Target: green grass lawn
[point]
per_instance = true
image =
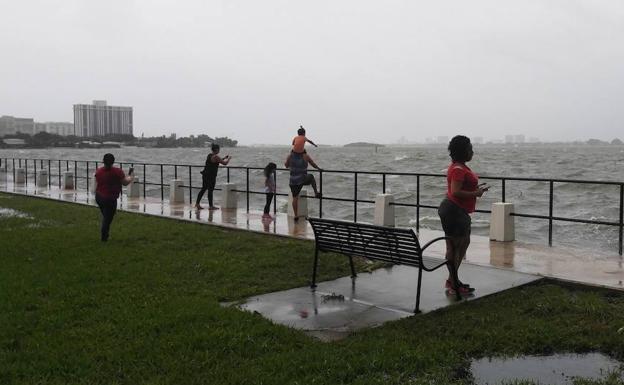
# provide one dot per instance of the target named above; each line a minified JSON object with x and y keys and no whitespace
{"x":144,"y":309}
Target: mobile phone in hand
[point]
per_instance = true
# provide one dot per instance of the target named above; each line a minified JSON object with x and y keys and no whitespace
{"x":484,"y":186}
{"x":131,"y":171}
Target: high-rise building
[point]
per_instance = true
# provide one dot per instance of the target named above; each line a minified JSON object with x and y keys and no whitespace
{"x":509,"y":139}
{"x":519,"y":139}
{"x":11,"y":125}
{"x":99,"y":119}
{"x":60,"y":128}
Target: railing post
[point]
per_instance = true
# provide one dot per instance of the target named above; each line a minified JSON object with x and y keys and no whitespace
{"x":621,"y":217}
{"x":59,"y":173}
{"x":162,"y":186}
{"x":175,"y":171}
{"x":503,"y":190}
{"x":35,"y":168}
{"x":417,"y":203}
{"x":383,"y":183}
{"x":228,"y":174}
{"x":190,"y":186}
{"x":355,"y":196}
{"x":49,"y":174}
{"x":275,"y":196}
{"x":14,"y":171}
{"x":550,"y":214}
{"x":144,"y":182}
{"x":26,"y":173}
{"x":247,"y":183}
{"x":321,"y":191}
{"x":76,"y":175}
{"x":87,"y":177}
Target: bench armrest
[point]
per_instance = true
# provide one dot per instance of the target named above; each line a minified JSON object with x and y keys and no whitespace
{"x":432,"y":241}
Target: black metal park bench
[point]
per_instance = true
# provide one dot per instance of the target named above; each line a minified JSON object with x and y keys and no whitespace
{"x":387,"y":244}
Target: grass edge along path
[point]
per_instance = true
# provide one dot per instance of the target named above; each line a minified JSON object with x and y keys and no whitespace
{"x":144,"y":309}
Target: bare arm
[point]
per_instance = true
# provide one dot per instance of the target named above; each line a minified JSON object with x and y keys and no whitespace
{"x":457,"y":192}
{"x":311,"y":142}
{"x":224,"y":161}
{"x":309,"y":160}
{"x":127,"y":179}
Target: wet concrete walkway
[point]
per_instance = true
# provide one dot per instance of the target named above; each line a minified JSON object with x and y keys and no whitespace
{"x":385,"y":294}
{"x":571,"y":264}
{"x":339,"y":307}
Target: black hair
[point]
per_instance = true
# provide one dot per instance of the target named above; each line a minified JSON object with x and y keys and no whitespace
{"x":459,"y":148}
{"x":109,"y":160}
{"x":301,"y":131}
{"x":271,"y":167}
{"x":214,"y":147}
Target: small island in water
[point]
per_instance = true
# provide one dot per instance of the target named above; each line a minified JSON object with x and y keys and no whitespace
{"x":363,"y":144}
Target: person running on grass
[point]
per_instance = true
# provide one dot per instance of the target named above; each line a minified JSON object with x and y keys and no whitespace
{"x":108,"y":181}
{"x":269,"y":187}
{"x":209,"y":176}
{"x":463,"y":189}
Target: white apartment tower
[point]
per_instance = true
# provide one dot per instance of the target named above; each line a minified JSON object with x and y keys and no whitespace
{"x":99,"y":119}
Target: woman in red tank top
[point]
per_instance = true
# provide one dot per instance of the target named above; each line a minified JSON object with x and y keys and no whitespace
{"x":463,"y":189}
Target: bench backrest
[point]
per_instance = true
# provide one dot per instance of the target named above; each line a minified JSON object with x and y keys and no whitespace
{"x":388,"y":244}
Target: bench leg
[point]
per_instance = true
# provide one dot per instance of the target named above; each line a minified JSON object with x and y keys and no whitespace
{"x":353,"y":275}
{"x":314,"y":269}
{"x":417,"y":308}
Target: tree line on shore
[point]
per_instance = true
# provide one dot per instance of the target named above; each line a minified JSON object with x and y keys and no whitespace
{"x":46,"y":139}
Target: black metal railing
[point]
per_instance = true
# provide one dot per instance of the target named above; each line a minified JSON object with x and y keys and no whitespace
{"x":67,"y":165}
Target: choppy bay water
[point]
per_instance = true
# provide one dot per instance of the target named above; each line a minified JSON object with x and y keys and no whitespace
{"x":598,"y":202}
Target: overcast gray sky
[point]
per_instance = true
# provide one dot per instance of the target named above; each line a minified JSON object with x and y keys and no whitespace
{"x":355,"y":70}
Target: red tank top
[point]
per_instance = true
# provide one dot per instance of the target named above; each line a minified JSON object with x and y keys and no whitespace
{"x":109,"y":182}
{"x":462,"y":173}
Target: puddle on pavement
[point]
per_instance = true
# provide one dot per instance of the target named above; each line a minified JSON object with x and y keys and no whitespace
{"x":560,"y":369}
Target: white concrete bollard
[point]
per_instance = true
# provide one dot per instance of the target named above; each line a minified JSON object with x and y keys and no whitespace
{"x":176,"y":193}
{"x":502,"y":227}
{"x":134,"y":188}
{"x":384,"y":211}
{"x":68,"y":180}
{"x":303,"y":204}
{"x":20,"y":176}
{"x":42,"y":178}
{"x":229,"y":198}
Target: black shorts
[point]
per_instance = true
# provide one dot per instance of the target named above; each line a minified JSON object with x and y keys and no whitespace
{"x":295,"y":189}
{"x":455,"y":220}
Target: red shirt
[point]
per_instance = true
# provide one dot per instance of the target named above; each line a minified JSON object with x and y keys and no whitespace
{"x":462,"y":173}
{"x":109,"y":182}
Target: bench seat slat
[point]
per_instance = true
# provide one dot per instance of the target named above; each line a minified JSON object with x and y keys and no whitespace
{"x":408,"y":251}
